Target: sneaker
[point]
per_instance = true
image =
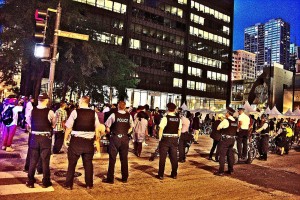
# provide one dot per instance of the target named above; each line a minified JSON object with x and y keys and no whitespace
{"x":3,"y":147}
{"x":9,"y":149}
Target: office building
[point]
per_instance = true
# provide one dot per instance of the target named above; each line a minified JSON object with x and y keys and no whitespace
{"x":182,"y":48}
{"x":243,"y":65}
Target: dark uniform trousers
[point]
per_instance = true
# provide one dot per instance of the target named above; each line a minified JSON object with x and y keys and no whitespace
{"x":40,"y":148}
{"x":58,"y":141}
{"x":168,"y":145}
{"x":263,"y":146}
{"x":27,"y":163}
{"x":213,"y":148}
{"x":242,"y":140}
{"x":118,"y":145}
{"x":226,"y":149}
{"x":183,"y":140}
{"x":85,"y":148}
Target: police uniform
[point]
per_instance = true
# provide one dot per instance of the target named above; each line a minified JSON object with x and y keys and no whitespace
{"x":119,"y":123}
{"x":42,"y":119}
{"x":170,"y":124}
{"x":263,"y":143}
{"x":83,"y":123}
{"x":243,"y":132}
{"x":228,"y":129}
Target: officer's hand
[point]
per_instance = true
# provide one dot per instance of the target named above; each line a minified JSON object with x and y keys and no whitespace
{"x":66,"y":143}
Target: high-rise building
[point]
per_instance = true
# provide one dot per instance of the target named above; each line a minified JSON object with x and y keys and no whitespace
{"x":254,"y":42}
{"x":243,"y":65}
{"x":270,"y":41}
{"x":182,"y":48}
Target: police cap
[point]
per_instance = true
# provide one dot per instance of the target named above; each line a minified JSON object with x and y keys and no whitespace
{"x":230,"y":110}
{"x":43,"y":96}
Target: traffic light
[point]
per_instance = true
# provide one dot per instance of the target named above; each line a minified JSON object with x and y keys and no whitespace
{"x":41,"y":20}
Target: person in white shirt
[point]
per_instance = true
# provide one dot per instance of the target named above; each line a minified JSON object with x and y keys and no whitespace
{"x":243,"y":134}
{"x":185,"y":136}
{"x":9,"y":130}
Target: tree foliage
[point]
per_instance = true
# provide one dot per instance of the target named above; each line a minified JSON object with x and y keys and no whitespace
{"x":83,"y":66}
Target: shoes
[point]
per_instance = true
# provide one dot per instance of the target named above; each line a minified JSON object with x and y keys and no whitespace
{"x":89,"y":187}
{"x":29,"y":185}
{"x":3,"y":147}
{"x":216,"y":160}
{"x":46,"y":185}
{"x":105,"y":180}
{"x":173,"y":177}
{"x":230,"y":172}
{"x":9,"y":149}
{"x":196,"y":142}
{"x":68,"y":187}
{"x":209,"y":158}
{"x":181,"y":161}
{"x":159,"y":177}
{"x":217,"y":173}
{"x":124,"y":180}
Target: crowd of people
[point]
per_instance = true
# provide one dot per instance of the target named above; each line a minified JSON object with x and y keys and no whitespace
{"x":80,"y":127}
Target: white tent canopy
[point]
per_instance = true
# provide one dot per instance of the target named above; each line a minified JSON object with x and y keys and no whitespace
{"x":288,"y":112}
{"x":267,"y":111}
{"x":184,"y":107}
{"x":248,"y":107}
{"x":274,"y":112}
{"x":296,"y":112}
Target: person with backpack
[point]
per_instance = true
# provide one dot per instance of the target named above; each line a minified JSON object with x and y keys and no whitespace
{"x":10,"y":121}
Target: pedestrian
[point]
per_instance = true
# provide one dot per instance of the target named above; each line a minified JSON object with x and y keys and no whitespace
{"x":228,"y":129}
{"x":196,"y":126}
{"x":119,"y":124}
{"x":58,"y":131}
{"x":9,"y":128}
{"x":280,"y":139}
{"x":216,"y":136}
{"x":185,"y":136}
{"x":83,"y":125}
{"x":263,"y":143}
{"x":41,"y":121}
{"x":242,"y":134}
{"x":169,"y":132}
{"x":140,"y":132}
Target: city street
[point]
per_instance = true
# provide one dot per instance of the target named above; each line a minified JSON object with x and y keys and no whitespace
{"x":277,"y":178}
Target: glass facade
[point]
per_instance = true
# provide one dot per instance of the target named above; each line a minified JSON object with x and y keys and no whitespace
{"x":182,"y":48}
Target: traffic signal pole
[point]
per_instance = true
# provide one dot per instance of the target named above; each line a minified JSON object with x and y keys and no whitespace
{"x":53,"y":59}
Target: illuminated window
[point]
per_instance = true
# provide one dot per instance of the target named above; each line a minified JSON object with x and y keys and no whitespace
{"x":178,"y":68}
{"x":135,"y":44}
{"x":191,"y":84}
{"x":177,"y":82}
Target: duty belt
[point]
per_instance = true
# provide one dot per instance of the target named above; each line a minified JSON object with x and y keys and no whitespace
{"x":170,"y":135}
{"x":227,"y":136}
{"x":82,"y":137}
{"x":40,"y":133}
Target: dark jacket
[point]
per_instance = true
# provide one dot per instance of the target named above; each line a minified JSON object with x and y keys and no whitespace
{"x":216,"y":134}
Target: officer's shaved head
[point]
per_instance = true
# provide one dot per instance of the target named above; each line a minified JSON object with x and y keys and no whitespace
{"x":85,"y":99}
{"x":121,"y":105}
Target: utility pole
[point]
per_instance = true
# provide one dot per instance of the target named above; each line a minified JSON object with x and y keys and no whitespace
{"x":53,"y":60}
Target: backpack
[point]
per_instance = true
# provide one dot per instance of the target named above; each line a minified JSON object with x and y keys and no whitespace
{"x":7,"y":116}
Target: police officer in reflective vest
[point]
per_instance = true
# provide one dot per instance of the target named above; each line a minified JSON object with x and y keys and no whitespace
{"x":41,"y":121}
{"x":263,"y":143}
{"x":169,"y":132}
{"x":82,"y":124}
{"x":228,"y":129}
{"x":119,"y":124}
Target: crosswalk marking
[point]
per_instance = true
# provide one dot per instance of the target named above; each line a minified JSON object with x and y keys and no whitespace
{"x":20,"y":188}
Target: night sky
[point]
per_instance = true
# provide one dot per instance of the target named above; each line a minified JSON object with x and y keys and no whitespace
{"x":250,"y":12}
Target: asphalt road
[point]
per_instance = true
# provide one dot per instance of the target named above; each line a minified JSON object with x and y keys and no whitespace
{"x":277,"y":178}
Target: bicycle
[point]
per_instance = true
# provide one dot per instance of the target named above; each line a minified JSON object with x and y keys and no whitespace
{"x":205,"y":129}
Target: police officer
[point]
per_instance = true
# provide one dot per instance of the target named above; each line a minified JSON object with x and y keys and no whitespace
{"x":243,"y":132}
{"x":82,"y":124}
{"x":119,"y":124}
{"x":185,"y":137}
{"x":169,"y":131}
{"x":41,"y":121}
{"x":263,"y":143}
{"x":228,"y":129}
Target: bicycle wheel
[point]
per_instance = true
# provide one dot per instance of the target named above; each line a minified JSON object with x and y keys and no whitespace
{"x":252,"y":153}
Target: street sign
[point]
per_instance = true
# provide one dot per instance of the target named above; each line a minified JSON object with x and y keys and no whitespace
{"x":77,"y":36}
